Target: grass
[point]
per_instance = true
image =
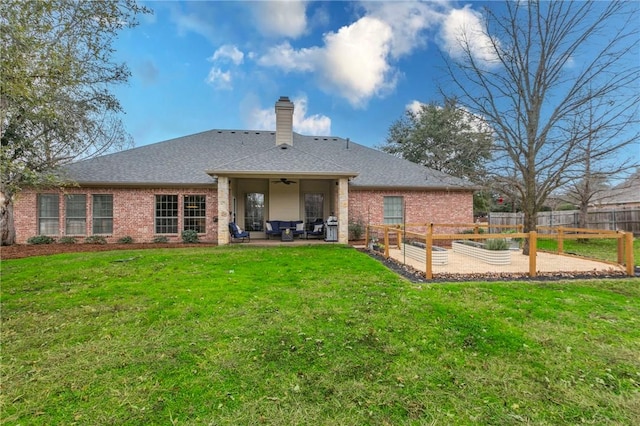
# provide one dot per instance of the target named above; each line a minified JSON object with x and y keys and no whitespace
{"x":321,"y":335}
{"x":604,"y":249}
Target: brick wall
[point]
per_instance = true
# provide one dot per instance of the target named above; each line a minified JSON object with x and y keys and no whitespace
{"x":420,"y":206}
{"x":133,"y":212}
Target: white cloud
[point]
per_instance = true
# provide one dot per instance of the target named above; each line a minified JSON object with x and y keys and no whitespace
{"x":463,"y":30}
{"x":408,"y":21}
{"x":285,"y":57}
{"x":228,"y":52}
{"x":281,"y":18}
{"x":316,"y":124}
{"x":219,"y":79}
{"x":356,"y":61}
{"x":198,"y":21}
{"x":352,"y":63}
{"x":414,"y":106}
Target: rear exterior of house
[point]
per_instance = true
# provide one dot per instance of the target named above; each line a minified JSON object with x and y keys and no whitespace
{"x":204,"y":181}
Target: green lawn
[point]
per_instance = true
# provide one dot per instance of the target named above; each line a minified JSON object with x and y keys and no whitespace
{"x":605,"y":249}
{"x":320,"y":335}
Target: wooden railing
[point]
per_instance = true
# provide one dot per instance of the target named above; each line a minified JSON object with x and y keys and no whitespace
{"x":398,"y":233}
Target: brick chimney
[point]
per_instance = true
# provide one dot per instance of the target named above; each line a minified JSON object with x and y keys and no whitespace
{"x":284,"y":122}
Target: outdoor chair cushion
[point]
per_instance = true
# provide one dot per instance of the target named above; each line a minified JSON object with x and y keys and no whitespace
{"x":237,"y":233}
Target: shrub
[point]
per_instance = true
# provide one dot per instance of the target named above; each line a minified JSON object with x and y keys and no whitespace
{"x":125,"y":240}
{"x":189,"y":236}
{"x":513,"y":231}
{"x":471,"y":231}
{"x":496,"y":244}
{"x":95,"y":239}
{"x":356,"y":229}
{"x":161,"y":239}
{"x":67,"y":240}
{"x":41,"y":239}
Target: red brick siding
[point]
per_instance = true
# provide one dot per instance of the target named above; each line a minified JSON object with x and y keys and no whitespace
{"x":134,"y":209}
{"x":133,"y":212}
{"x":420,"y":206}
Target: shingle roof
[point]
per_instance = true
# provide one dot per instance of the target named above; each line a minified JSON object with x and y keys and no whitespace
{"x":193,"y":159}
{"x":627,"y":192}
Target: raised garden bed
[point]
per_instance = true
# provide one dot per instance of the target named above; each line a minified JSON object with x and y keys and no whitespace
{"x":477,"y":250}
{"x":417,"y":251}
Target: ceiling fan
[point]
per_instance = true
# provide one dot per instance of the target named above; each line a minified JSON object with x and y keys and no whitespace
{"x":285,"y":181}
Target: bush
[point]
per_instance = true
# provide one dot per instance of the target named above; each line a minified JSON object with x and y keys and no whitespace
{"x":496,"y":244}
{"x":95,"y":239}
{"x":513,"y":231}
{"x":356,"y":229}
{"x":161,"y":239}
{"x":125,"y":240}
{"x":41,"y":239}
{"x":471,"y":231}
{"x":67,"y":240}
{"x":189,"y":236}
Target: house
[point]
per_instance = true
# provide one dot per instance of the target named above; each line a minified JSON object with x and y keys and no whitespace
{"x":624,"y":195}
{"x":204,"y":181}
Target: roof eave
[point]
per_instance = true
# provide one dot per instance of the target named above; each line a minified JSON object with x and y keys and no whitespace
{"x":416,"y":188}
{"x":276,"y":173}
{"x":103,"y":184}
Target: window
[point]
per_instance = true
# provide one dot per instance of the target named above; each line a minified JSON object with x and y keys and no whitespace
{"x":195,"y":213}
{"x":76,"y":214}
{"x":392,"y":210}
{"x":254,"y":212}
{"x":313,"y":209}
{"x":103,"y":214}
{"x":48,"y":214}
{"x":166,"y":214}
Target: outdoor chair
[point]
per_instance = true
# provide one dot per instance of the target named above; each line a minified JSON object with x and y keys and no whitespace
{"x":317,"y":230}
{"x":237,"y":233}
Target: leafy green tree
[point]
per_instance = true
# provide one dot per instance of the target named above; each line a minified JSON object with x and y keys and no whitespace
{"x":445,"y":138}
{"x":55,"y":99}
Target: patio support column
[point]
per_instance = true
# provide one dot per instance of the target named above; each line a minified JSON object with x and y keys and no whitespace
{"x":343,"y":211}
{"x":223,"y":210}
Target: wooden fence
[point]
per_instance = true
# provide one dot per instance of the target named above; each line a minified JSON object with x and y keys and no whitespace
{"x":432,"y":234}
{"x":627,"y":220}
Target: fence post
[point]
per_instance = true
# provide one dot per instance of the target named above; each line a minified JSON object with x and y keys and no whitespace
{"x":398,"y":235}
{"x":429,"y":253}
{"x":366,"y":236}
{"x":629,"y":249}
{"x":621,"y":243}
{"x":533,"y":252}
{"x":386,"y":242}
{"x":560,"y":240}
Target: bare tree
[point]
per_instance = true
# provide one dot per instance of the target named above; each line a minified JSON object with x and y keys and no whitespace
{"x":604,"y":128}
{"x":542,"y":65}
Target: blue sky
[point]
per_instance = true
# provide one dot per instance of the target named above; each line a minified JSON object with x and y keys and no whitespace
{"x":351,"y":68}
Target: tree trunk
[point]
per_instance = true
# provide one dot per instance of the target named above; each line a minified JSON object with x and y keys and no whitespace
{"x":582,"y":216}
{"x":582,"y":220}
{"x":530,"y":224}
{"x":7,"y":227}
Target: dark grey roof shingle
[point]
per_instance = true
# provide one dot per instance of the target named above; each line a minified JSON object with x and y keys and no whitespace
{"x":186,"y":161}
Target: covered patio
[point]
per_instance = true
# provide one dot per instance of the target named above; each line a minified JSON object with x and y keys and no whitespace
{"x":251,"y":200}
